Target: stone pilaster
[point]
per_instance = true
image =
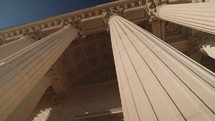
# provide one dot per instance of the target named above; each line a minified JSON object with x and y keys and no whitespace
{"x":199,"y":16}
{"x":156,"y":81}
{"x":60,"y":86}
{"x":20,"y":73}
{"x":158,"y":29}
{"x":11,"y":48}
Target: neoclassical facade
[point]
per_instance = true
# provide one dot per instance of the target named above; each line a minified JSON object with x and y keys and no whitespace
{"x":134,"y":60}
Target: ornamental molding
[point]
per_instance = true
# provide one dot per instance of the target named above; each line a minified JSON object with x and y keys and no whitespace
{"x":56,"y":21}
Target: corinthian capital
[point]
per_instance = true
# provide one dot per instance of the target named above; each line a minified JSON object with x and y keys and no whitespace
{"x":153,"y":8}
{"x":75,"y":21}
{"x":119,"y":12}
{"x":2,"y":39}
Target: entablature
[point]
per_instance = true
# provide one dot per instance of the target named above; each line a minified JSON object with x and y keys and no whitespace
{"x":89,"y":16}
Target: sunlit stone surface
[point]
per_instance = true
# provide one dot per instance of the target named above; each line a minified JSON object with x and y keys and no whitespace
{"x":199,"y":16}
{"x":154,"y":77}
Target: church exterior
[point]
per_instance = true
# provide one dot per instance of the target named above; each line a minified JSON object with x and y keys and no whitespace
{"x":133,"y":60}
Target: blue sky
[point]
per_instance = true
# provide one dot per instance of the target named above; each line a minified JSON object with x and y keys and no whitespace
{"x":16,"y":12}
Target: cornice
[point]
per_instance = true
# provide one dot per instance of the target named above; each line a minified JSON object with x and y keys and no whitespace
{"x":52,"y":22}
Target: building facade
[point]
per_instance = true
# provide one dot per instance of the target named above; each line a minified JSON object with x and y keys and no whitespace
{"x":135,"y":60}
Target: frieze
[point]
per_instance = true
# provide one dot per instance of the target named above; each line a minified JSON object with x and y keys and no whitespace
{"x":69,"y":17}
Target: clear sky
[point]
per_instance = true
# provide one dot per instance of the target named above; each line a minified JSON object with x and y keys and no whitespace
{"x":16,"y":12}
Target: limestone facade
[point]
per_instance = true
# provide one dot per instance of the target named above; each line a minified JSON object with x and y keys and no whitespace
{"x":131,"y":60}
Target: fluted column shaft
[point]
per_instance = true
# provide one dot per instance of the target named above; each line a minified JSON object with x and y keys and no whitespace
{"x":156,"y":81}
{"x":28,"y":104}
{"x":20,"y":73}
{"x":199,"y":16}
{"x":12,"y":47}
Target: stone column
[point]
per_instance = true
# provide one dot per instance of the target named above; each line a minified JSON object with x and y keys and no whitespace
{"x":11,"y":48}
{"x":28,"y":104}
{"x":21,"y":72}
{"x":157,"y":82}
{"x":199,"y":16}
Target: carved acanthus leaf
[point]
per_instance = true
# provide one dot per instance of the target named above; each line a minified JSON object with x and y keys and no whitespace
{"x":2,"y":39}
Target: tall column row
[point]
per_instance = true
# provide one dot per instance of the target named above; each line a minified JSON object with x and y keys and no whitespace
{"x":22,"y":71}
{"x":199,"y":16}
{"x":157,"y":82}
